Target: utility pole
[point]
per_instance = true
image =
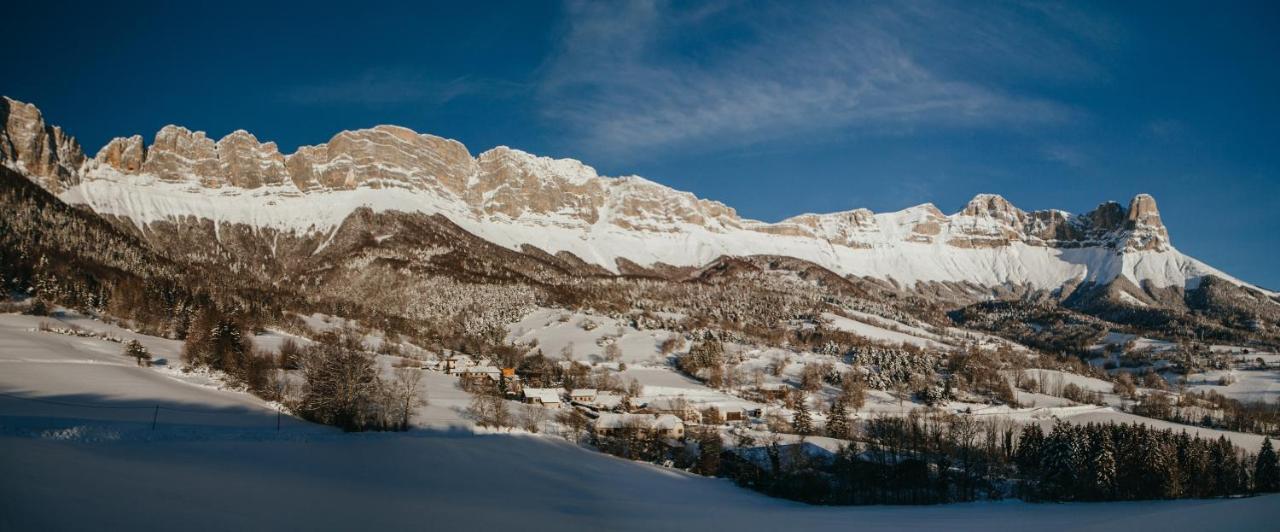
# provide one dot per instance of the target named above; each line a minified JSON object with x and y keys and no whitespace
{"x":155,"y":417}
{"x":278,"y":415}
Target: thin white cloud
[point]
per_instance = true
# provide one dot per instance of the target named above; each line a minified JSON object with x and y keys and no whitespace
{"x":391,"y":86}
{"x":1065,"y":154}
{"x":622,"y":82}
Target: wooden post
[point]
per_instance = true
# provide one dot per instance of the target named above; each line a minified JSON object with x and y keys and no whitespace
{"x":155,"y":417}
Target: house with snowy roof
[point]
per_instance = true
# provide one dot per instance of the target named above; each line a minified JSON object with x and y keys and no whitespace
{"x":607,"y":401}
{"x":548,"y":397}
{"x":584,"y":396}
{"x":676,"y":406}
{"x":723,"y":413}
{"x":639,"y":425}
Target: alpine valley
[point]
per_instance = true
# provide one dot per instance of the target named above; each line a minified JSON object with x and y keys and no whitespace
{"x":390,"y":280}
{"x":372,"y":203}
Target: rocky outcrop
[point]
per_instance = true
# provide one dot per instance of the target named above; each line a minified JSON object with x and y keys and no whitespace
{"x":562,"y":206}
{"x":1146,"y":231}
{"x":244,"y":162}
{"x":382,"y":157}
{"x":44,"y":153}
{"x":512,"y":185}
{"x":123,"y":154}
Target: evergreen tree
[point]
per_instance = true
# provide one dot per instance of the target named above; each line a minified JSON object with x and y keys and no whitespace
{"x":1266,"y":470}
{"x":801,"y":422}
{"x":1030,"y":447}
{"x":135,"y":349}
{"x":1102,"y":464}
{"x":709,"y":449}
{"x":838,"y":421}
{"x":1060,"y":463}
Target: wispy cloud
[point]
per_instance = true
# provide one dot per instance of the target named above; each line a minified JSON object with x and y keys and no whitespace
{"x":393,"y":86}
{"x":1064,"y":154}
{"x":625,"y":78}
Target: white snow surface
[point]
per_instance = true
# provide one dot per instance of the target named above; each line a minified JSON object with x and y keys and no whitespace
{"x":68,"y":468}
{"x":105,"y":468}
{"x":882,"y":250}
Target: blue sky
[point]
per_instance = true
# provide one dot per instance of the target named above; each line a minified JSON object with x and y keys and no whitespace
{"x":773,"y":108}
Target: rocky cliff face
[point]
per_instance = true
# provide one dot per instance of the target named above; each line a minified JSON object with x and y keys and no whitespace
{"x":512,"y":185}
{"x":44,"y":153}
{"x":563,"y":206}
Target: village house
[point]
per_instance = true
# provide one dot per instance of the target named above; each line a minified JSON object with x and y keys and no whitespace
{"x":512,"y":381}
{"x":639,"y":425}
{"x":608,"y":401}
{"x":548,"y":397}
{"x":676,"y":406}
{"x":718,"y":414}
{"x":481,"y":375}
{"x":772,"y":391}
{"x":454,"y":363}
{"x":584,"y":396}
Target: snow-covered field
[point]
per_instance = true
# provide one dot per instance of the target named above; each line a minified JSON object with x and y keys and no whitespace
{"x":557,"y":332}
{"x":216,"y":462}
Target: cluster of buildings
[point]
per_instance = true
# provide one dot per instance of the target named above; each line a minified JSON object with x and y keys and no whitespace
{"x":612,"y":412}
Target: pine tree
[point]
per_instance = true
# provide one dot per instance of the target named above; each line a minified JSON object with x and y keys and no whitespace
{"x":709,"y":446}
{"x":838,"y":421}
{"x":137,"y":351}
{"x":1030,"y":448}
{"x":1060,"y":463}
{"x":1102,"y":466}
{"x":801,"y":422}
{"x":1266,"y":470}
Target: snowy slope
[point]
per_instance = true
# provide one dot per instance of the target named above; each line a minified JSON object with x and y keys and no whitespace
{"x":513,"y":198}
{"x":225,"y":468}
{"x":880,"y":254}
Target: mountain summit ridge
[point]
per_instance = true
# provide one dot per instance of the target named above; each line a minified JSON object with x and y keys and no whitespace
{"x":515,"y":198}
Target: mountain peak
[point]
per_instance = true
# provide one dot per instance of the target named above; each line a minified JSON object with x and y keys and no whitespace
{"x":1146,"y":229}
{"x":991,"y":205}
{"x":37,"y":149}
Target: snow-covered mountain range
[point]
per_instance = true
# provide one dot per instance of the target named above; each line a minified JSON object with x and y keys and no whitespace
{"x":513,"y":199}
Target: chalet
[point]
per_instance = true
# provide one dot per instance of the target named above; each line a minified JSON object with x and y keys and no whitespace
{"x":548,"y":397}
{"x":455,"y":363}
{"x":664,"y":426}
{"x":607,"y":401}
{"x":723,"y":414}
{"x":772,"y":391}
{"x":483,"y":375}
{"x":509,"y":377}
{"x":584,"y":396}
{"x":676,"y":406}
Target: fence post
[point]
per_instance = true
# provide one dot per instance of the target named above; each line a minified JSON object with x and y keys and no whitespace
{"x":155,"y":417}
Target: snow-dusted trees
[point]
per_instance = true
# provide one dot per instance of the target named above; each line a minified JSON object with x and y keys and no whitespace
{"x":1060,"y":463}
{"x":705,"y":354}
{"x":401,"y":396}
{"x":1100,"y":466}
{"x":853,"y":390}
{"x":342,"y":386}
{"x":891,"y":368}
{"x":135,"y":350}
{"x":801,"y":420}
{"x":838,"y":420}
{"x":490,"y":410}
{"x":219,"y":342}
{"x":1266,"y":469}
{"x":1030,"y":449}
{"x":710,"y":447}
{"x":1127,"y":462}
